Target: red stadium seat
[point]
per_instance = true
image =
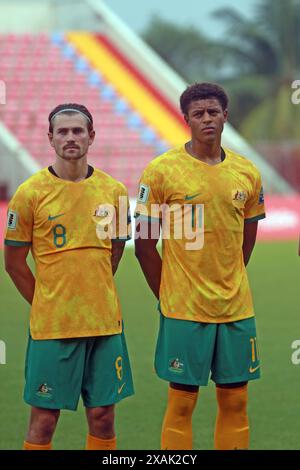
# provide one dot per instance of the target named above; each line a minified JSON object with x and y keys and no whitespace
{"x":38,"y":78}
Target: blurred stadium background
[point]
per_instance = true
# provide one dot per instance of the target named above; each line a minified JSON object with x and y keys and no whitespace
{"x":53,"y":52}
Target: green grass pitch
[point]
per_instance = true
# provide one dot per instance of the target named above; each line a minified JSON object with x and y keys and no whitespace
{"x":274,"y":399}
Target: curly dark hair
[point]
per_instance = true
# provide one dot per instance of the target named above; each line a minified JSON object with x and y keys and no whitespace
{"x":66,"y":109}
{"x":202,"y":91}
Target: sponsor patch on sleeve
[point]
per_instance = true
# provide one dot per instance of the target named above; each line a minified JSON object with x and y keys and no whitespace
{"x":261,"y":198}
{"x":143,"y":193}
{"x":12,"y":220}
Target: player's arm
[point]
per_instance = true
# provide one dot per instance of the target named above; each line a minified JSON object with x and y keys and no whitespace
{"x":116,"y":254}
{"x":250,"y":230}
{"x":19,"y":271}
{"x":254,"y":211}
{"x":148,"y":256}
{"x":122,"y":226}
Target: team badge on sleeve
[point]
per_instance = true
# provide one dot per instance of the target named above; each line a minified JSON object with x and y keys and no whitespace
{"x":143,"y":193}
{"x":12,"y":220}
{"x":261,"y":198}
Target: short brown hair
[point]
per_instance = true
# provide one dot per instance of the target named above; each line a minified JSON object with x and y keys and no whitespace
{"x":70,"y":108}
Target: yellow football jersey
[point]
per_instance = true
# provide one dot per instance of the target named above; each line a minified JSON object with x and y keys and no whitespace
{"x":204,"y":209}
{"x":70,"y":228}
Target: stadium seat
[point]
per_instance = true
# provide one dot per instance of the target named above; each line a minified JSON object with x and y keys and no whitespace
{"x":42,"y":71}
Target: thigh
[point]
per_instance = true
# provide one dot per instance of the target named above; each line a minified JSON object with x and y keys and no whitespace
{"x":107,"y":375}
{"x":236,"y":355}
{"x":53,"y":373}
{"x":184,"y":351}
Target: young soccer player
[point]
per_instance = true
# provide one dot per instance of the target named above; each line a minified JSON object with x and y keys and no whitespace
{"x":68,"y":216}
{"x":206,"y":313}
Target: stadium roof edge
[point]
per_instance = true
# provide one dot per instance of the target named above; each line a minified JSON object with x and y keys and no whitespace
{"x":172,"y":85}
{"x":139,"y":52}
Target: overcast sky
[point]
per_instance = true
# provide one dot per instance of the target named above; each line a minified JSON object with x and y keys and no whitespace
{"x":136,"y":13}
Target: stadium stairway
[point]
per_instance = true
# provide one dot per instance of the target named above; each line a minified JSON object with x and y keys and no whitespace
{"x":133,"y":120}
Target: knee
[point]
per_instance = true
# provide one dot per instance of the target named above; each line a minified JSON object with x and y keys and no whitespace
{"x":184,"y":409}
{"x":182,"y":401}
{"x":46,"y":423}
{"x":101,"y":418}
{"x":232,"y":400}
{"x":43,"y":425}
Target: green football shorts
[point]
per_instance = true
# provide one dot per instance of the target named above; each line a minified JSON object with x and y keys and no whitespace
{"x":187,"y":351}
{"x":57,"y":371}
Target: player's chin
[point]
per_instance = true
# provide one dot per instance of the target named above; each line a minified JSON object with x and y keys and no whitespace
{"x":208,"y":138}
{"x":73,"y":157}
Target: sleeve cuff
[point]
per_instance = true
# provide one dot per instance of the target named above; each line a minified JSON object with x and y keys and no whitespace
{"x":16,"y":243}
{"x":121,"y":239}
{"x":255,"y":219}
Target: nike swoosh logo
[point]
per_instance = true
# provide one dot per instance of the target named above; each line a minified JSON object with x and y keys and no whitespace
{"x":188,"y":198}
{"x":52,"y":217}
{"x":121,"y":388}
{"x":253,"y":369}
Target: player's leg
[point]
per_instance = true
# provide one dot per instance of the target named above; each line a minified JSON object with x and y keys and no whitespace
{"x":107,"y":380}
{"x":101,"y":427}
{"x":232,"y":424}
{"x":41,"y":428}
{"x":235,"y":363}
{"x":177,"y":431}
{"x":183,"y":358}
{"x":53,"y":373}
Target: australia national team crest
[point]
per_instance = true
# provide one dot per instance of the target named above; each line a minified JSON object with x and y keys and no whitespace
{"x":239,"y":197}
{"x":175,"y":365}
{"x":103,"y":216}
{"x":44,"y":390}
{"x":101,"y":211}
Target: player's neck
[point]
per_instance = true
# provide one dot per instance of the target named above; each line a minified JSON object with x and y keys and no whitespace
{"x":207,"y":153}
{"x":71,"y":170}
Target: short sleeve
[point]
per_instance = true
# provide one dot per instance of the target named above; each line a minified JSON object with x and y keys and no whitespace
{"x":20,"y":216}
{"x":122,"y":216}
{"x":255,"y":207}
{"x":150,"y":195}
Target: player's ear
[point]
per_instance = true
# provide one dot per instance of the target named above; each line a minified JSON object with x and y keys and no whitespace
{"x":225,"y":114}
{"x":50,"y":137}
{"x":92,"y":136}
{"x":186,"y":118}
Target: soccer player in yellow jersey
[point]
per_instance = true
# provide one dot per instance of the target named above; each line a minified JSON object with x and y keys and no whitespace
{"x":74,"y":218}
{"x":206,"y":200}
